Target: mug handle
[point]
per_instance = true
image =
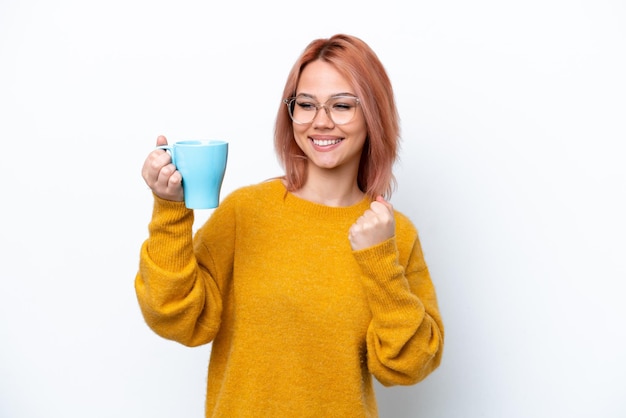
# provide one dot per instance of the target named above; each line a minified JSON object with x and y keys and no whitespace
{"x":169,"y":149}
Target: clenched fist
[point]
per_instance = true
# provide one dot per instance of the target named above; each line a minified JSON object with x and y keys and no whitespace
{"x":161,"y":175}
{"x":376,"y":225}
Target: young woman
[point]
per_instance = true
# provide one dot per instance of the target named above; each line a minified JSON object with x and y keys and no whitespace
{"x":309,"y":284}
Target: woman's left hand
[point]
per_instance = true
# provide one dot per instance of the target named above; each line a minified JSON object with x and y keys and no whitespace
{"x":376,"y":225}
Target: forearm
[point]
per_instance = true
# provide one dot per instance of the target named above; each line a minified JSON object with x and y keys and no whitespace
{"x":405,"y":336}
{"x":172,"y":291}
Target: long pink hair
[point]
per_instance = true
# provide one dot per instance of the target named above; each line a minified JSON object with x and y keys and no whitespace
{"x":358,"y":63}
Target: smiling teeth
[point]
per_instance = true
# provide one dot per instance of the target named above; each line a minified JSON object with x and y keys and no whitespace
{"x":326,"y":142}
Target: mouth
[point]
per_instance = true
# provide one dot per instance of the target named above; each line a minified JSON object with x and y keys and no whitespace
{"x":325,"y":142}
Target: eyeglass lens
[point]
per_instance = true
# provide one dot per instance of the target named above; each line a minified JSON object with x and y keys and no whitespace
{"x":340,"y":109}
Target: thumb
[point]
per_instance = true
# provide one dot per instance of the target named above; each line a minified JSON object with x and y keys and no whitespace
{"x":161,"y":140}
{"x":382,"y":200}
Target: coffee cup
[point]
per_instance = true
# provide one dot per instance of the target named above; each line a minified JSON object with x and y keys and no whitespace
{"x":202,"y":164}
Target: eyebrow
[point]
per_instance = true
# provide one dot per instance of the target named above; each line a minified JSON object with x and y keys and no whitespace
{"x":332,"y":96}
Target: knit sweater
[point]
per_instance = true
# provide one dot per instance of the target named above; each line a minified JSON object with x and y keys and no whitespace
{"x":298,"y":321}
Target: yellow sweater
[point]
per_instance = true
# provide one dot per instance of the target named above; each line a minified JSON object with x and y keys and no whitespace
{"x":298,"y":321}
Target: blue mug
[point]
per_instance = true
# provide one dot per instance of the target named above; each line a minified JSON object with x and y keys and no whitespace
{"x":202,"y":165}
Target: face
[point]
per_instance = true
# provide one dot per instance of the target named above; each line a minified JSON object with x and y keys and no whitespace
{"x":329,"y":146}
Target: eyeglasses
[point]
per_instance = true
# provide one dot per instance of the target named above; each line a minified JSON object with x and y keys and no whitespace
{"x":340,"y":109}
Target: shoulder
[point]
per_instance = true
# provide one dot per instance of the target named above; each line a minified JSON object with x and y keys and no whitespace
{"x":408,"y":241}
{"x":253,"y":194}
{"x":404,"y":225}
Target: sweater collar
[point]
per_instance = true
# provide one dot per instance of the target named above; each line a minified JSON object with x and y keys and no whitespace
{"x":309,"y":208}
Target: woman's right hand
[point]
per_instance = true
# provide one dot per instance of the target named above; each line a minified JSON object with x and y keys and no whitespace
{"x":161,"y":175}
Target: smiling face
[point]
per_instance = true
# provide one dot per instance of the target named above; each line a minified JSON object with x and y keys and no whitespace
{"x":329,"y":146}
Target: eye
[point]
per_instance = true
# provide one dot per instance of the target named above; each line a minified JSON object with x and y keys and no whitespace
{"x":343,"y":105}
{"x":305,"y":105}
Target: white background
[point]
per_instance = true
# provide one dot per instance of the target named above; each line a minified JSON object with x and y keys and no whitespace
{"x":513,"y":125}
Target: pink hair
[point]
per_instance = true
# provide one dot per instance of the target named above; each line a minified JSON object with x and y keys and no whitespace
{"x":358,"y":63}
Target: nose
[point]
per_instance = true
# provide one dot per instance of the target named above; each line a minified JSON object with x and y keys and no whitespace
{"x":324,"y":120}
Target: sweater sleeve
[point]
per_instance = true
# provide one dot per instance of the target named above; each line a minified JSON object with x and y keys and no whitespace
{"x":179,"y":298}
{"x":405,"y":335}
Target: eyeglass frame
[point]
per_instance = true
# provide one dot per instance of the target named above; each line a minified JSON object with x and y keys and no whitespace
{"x":318,"y":105}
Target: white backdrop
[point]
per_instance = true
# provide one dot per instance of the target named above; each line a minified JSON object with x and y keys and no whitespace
{"x":512,"y":169}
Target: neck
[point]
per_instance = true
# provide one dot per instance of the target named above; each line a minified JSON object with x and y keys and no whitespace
{"x":330,"y":189}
